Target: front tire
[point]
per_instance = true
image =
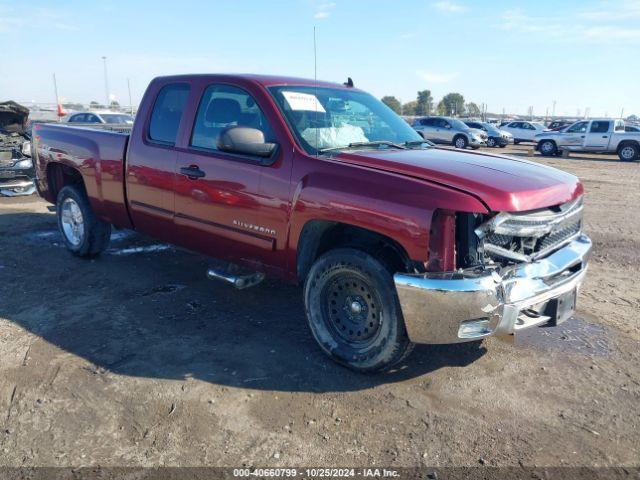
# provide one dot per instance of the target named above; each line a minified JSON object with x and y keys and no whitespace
{"x":460,"y":142}
{"x":353,"y":311}
{"x":548,"y":148}
{"x":491,"y":142}
{"x":628,"y":152}
{"x":83,"y":233}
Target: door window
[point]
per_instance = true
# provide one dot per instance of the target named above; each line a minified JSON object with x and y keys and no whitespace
{"x":580,"y":127}
{"x":167,"y":113}
{"x":77,"y":118}
{"x":224,"y":106}
{"x":599,"y":127}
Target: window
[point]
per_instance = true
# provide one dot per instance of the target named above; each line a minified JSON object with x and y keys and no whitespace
{"x":599,"y":127}
{"x":77,"y":118}
{"x":515,"y":125}
{"x":580,"y":127}
{"x":442,"y":123}
{"x":620,"y":127}
{"x":224,"y":106}
{"x":90,"y":118}
{"x":427,"y":122}
{"x":167,"y":113}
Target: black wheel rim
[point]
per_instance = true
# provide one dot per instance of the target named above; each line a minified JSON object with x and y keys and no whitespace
{"x":352,"y":309}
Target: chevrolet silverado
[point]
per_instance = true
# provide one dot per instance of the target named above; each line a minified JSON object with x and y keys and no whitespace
{"x":394,"y":241}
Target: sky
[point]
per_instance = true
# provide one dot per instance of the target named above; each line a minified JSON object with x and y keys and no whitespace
{"x":510,"y":55}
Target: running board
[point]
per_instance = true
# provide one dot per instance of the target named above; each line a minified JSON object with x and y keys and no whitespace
{"x":232,"y":275}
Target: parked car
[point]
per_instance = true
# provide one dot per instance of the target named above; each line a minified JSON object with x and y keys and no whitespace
{"x":16,"y":167}
{"x":495,"y":136}
{"x":631,"y":128}
{"x":394,"y":241}
{"x":559,"y":124}
{"x":104,"y":117}
{"x":599,"y":135}
{"x":523,"y":131}
{"x":450,"y":131}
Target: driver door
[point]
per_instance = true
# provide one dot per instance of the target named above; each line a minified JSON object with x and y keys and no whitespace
{"x":229,"y":205}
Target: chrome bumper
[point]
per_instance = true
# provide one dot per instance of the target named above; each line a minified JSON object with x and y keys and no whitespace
{"x":452,"y":307}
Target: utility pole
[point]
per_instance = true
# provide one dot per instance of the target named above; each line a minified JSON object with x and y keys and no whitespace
{"x":553,"y":111}
{"x":106,"y":83}
{"x":130,"y":102}
{"x":622,"y":113}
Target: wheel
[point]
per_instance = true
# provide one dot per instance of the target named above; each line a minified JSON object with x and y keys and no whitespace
{"x":353,"y":311}
{"x":548,"y":148}
{"x":628,"y":152}
{"x":491,"y":142}
{"x":83,"y":233}
{"x":503,"y":145}
{"x":460,"y":142}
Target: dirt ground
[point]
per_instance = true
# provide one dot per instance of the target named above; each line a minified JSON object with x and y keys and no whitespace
{"x":135,"y":359}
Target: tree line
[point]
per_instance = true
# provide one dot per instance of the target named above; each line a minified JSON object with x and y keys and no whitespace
{"x":452,"y":104}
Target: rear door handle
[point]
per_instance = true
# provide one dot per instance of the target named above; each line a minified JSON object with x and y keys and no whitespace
{"x":605,"y":136}
{"x":192,"y":171}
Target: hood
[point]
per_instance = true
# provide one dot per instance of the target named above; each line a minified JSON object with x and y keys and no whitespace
{"x":13,"y":117}
{"x":502,"y":183}
{"x":478,"y":132}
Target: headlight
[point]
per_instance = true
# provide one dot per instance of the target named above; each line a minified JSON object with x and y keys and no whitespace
{"x":26,"y":149}
{"x":26,"y":163}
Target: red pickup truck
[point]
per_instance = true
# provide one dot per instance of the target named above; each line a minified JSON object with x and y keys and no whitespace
{"x":395,"y":241}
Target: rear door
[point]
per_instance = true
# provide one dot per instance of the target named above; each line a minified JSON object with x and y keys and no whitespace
{"x":151,"y":162}
{"x":235,"y":207}
{"x":598,"y":135}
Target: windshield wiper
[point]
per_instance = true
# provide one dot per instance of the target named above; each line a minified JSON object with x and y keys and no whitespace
{"x":417,"y":143}
{"x":364,"y":144}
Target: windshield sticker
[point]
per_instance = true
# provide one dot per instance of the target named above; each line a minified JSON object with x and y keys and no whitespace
{"x":303,"y":102}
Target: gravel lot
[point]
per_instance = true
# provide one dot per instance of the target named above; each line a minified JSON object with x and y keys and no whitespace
{"x":135,"y":359}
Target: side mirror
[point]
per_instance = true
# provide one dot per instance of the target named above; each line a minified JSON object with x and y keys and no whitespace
{"x":245,"y":141}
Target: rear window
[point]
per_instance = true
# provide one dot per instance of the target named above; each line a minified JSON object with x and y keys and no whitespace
{"x":167,"y":113}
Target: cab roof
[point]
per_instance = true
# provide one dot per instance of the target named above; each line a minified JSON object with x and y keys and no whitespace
{"x":263,"y":80}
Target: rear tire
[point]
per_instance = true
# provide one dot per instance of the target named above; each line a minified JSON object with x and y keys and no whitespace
{"x":353,"y":311}
{"x":628,"y":152}
{"x":83,"y":233}
{"x":460,"y":141}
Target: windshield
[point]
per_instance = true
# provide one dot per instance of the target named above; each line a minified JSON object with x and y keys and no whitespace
{"x":490,"y":127}
{"x":538,"y":126}
{"x":117,"y":118}
{"x":457,"y":124}
{"x":331,"y":118}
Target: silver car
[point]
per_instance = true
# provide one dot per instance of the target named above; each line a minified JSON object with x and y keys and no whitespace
{"x":450,"y":131}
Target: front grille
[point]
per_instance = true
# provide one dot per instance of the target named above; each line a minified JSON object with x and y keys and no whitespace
{"x":530,"y":235}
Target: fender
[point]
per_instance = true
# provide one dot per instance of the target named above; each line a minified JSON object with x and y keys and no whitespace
{"x":400,"y":208}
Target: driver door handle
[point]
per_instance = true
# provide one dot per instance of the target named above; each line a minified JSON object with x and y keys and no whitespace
{"x":192,"y":171}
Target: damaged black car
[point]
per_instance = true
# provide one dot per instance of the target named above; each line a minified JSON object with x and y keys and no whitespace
{"x":16,"y":167}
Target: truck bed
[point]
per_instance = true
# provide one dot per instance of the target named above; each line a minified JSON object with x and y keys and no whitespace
{"x":99,"y":155}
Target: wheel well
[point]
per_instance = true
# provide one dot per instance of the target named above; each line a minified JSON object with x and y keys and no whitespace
{"x":624,"y":143}
{"x":320,"y":236}
{"x":59,"y":176}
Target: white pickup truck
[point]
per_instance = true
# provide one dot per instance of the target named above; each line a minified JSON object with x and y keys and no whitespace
{"x":598,"y":135}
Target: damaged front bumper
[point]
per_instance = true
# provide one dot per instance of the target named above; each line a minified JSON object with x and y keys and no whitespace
{"x":452,"y":307}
